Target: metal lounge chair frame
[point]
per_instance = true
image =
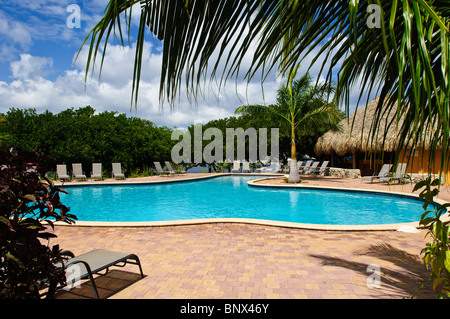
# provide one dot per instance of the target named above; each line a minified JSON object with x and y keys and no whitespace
{"x":77,"y":171}
{"x":319,"y":170}
{"x":303,"y":169}
{"x":236,"y":166}
{"x":399,"y":175}
{"x":99,"y":260}
{"x":312,"y":168}
{"x":246,"y":167}
{"x":96,"y":171}
{"x":170,"y":169}
{"x":61,"y":172}
{"x":384,"y":172}
{"x":117,"y":171}
{"x":160,"y":170}
{"x":274,"y":168}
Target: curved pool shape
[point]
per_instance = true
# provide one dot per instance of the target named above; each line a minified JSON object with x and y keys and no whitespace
{"x":232,"y":197}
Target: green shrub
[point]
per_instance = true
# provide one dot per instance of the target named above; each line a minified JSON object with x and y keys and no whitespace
{"x":29,"y":203}
{"x":436,"y":253}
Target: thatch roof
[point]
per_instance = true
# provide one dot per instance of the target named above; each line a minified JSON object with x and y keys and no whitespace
{"x":355,"y":132}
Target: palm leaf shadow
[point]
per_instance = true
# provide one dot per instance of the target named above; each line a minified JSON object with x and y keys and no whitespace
{"x":403,"y":274}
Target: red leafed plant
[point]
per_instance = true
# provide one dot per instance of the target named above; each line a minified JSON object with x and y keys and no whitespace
{"x":29,"y":205}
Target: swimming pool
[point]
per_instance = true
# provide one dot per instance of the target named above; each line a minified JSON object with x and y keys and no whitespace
{"x":232,"y":197}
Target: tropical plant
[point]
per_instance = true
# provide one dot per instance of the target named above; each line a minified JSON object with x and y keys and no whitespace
{"x":303,"y":107}
{"x":403,"y":57}
{"x":29,"y":204}
{"x":437,"y":252}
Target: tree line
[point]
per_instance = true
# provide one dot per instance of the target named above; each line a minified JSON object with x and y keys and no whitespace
{"x":82,"y":136}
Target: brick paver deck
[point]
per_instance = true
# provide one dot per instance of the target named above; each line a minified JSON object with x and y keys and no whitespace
{"x":233,"y":260}
{"x":253,"y":261}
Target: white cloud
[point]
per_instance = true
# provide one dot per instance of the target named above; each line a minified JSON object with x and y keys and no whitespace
{"x":30,"y":67}
{"x":14,"y":31}
{"x":30,"y":88}
{"x":42,"y":6}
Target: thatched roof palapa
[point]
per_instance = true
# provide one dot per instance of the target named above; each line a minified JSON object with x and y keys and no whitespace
{"x":355,"y":133}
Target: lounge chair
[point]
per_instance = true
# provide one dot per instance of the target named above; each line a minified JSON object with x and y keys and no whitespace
{"x":170,"y":169}
{"x":303,"y":169}
{"x":384,"y":172}
{"x":311,"y":168}
{"x":117,"y":171}
{"x":160,"y":170}
{"x":260,"y":169}
{"x":61,"y":172}
{"x":319,"y":170}
{"x":86,"y":265}
{"x":77,"y":171}
{"x":275,"y":167}
{"x":236,"y":166}
{"x":246,"y":167}
{"x":96,"y":171}
{"x":400,"y":175}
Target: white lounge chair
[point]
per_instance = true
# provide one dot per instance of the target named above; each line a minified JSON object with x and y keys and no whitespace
{"x":61,"y":172}
{"x":246,"y":167}
{"x":311,"y":169}
{"x":170,"y":169}
{"x":77,"y":171}
{"x":319,"y":170}
{"x":160,"y":170}
{"x":278,"y":167}
{"x":236,"y":166}
{"x":275,"y":167}
{"x":384,"y":172}
{"x":117,"y":171}
{"x":400,"y":175}
{"x":303,"y":169}
{"x":87,"y":265}
{"x":96,"y":171}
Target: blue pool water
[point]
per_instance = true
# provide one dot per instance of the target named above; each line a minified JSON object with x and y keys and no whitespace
{"x":231,"y":197}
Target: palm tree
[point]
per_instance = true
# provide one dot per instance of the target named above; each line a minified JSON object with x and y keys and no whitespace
{"x":405,"y":58}
{"x":303,"y":107}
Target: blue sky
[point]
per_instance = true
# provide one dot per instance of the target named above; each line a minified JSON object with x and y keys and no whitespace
{"x":37,"y":69}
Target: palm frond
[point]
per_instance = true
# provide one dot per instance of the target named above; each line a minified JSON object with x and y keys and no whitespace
{"x":405,"y":61}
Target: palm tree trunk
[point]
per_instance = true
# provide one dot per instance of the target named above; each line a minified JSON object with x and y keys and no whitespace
{"x":294,"y":177}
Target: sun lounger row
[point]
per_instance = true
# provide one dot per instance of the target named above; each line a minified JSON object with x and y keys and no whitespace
{"x":312,"y":168}
{"x":237,"y":167}
{"x":386,"y":176}
{"x":78,"y":173}
{"x":272,"y":168}
{"x":169,"y":171}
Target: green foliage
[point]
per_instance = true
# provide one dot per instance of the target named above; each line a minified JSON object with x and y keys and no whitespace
{"x":301,"y":111}
{"x":29,"y":203}
{"x":4,"y":136}
{"x":437,"y":252}
{"x":404,"y":60}
{"x":81,"y":136}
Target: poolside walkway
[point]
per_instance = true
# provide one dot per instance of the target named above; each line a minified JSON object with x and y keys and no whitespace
{"x":233,"y":260}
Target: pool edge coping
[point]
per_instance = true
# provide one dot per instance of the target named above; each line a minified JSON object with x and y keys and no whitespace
{"x":261,"y":222}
